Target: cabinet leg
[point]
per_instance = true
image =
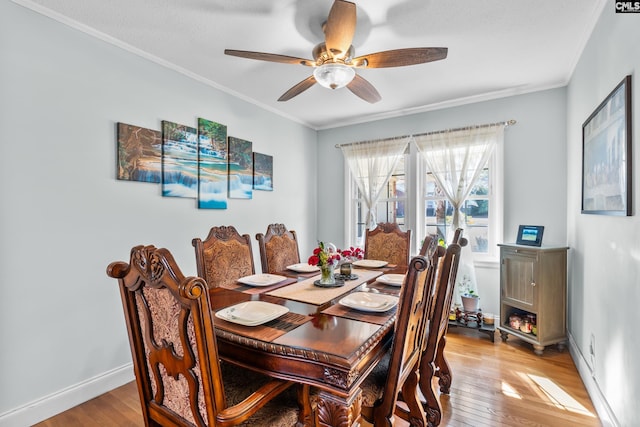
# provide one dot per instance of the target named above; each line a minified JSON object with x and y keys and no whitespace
{"x":561,"y":346}
{"x":504,"y":336}
{"x":538,"y":349}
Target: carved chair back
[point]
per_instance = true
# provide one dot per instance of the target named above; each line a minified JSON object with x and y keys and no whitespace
{"x":278,"y":248}
{"x":397,"y":374}
{"x":388,"y":243}
{"x":173,"y":345}
{"x":224,"y":256}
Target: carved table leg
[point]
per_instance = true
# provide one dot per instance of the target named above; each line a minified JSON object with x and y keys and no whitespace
{"x":504,"y":335}
{"x":333,"y":411}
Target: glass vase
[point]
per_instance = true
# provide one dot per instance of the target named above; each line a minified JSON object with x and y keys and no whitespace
{"x":327,"y":277}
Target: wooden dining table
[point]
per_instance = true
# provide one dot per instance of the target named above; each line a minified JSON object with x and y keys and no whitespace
{"x":318,"y":342}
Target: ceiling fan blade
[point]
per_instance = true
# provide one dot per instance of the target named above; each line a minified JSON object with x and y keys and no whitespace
{"x":340,"y":27}
{"x":270,"y":57}
{"x":365,"y":90}
{"x":400,"y":57}
{"x":298,"y":89}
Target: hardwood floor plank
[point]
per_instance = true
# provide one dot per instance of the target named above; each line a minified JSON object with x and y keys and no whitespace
{"x":494,"y":384}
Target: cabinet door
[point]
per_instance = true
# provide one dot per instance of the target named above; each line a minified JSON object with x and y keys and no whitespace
{"x":518,"y":279}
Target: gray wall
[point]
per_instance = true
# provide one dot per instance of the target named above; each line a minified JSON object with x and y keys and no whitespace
{"x":605,"y":251}
{"x":64,"y":216}
{"x":534,"y":157}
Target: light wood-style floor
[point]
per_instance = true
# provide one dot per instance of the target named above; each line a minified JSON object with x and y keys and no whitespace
{"x":494,"y":384}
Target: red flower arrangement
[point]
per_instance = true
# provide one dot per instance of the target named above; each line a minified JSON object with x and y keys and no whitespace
{"x":351,"y":254}
{"x":323,"y":255}
{"x":327,"y":254}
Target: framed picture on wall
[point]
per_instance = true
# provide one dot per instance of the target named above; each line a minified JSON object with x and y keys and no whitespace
{"x":606,"y":155}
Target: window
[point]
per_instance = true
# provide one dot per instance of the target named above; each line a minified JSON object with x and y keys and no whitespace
{"x":391,"y":206}
{"x":481,"y":215}
{"x":479,"y":212}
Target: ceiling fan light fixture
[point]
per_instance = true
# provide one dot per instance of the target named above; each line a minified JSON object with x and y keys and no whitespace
{"x":334,"y":75}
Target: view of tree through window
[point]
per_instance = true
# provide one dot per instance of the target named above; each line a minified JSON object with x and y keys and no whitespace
{"x":474,"y":212}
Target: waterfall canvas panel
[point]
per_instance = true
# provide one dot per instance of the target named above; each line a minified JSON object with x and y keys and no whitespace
{"x":179,"y":160}
{"x":212,"y":165}
{"x":240,"y":168}
{"x":139,"y":154}
{"x":262,"y":172}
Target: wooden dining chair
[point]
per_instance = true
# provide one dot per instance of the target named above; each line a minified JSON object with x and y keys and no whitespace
{"x":395,"y":378}
{"x":224,"y":256}
{"x":387,"y":242}
{"x":443,"y":369}
{"x":181,"y":381}
{"x":437,"y":326}
{"x":278,"y":248}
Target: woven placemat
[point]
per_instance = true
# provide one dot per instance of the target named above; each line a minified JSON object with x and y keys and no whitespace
{"x":268,"y":331}
{"x":248,"y":289}
{"x":370,"y":317}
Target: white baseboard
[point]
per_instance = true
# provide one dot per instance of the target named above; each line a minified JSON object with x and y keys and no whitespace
{"x":48,"y":406}
{"x":606,"y":415}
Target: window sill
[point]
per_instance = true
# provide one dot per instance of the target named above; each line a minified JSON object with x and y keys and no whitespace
{"x":489,"y":264}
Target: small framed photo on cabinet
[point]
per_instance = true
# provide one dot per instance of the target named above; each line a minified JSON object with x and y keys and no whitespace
{"x":530,"y":235}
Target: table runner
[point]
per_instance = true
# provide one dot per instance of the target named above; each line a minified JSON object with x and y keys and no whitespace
{"x":268,"y":331}
{"x":248,"y":289}
{"x":306,"y":291}
{"x":371,"y":317}
{"x":291,"y":273}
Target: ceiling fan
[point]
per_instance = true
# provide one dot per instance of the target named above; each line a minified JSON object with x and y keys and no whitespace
{"x":334,"y":60}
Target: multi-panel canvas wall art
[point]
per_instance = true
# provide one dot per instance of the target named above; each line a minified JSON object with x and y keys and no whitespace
{"x":240,"y":168}
{"x":202,"y":163}
{"x":212,"y":165}
{"x":179,"y":160}
{"x":262,"y":172}
{"x":139,"y":154}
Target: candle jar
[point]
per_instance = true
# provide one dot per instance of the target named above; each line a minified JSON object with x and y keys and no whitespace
{"x":345,"y":269}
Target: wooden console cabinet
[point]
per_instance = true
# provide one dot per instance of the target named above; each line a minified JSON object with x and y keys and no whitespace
{"x":533,"y":285}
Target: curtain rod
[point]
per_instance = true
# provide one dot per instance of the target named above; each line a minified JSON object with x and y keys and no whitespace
{"x":505,"y":123}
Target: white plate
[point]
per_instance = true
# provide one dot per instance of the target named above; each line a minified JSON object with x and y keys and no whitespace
{"x":368,"y":301}
{"x":303,"y":268}
{"x":370,"y":263}
{"x":252,"y":313}
{"x":391,"y":279}
{"x":263,"y":279}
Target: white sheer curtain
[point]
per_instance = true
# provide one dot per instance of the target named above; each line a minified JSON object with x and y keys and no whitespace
{"x":456,"y":159}
{"x":372,"y":163}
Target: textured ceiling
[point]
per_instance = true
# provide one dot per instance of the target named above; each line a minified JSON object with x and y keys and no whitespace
{"x":496,"y":47}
